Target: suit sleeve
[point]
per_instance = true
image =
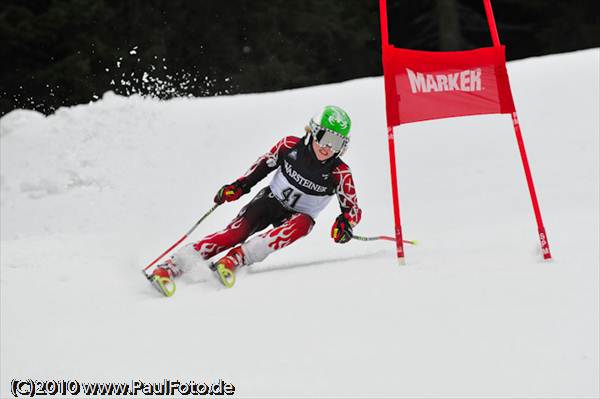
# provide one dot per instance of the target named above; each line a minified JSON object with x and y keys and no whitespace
{"x":266,"y":163}
{"x":346,"y":194}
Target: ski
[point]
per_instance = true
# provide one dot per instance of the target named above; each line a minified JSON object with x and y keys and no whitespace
{"x":226,"y":276}
{"x":164,"y":285}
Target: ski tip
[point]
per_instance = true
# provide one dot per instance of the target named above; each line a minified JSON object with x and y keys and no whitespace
{"x":226,"y":276}
{"x":164,"y":285}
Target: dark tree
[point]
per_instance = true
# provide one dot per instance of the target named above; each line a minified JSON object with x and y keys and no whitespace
{"x":64,"y":52}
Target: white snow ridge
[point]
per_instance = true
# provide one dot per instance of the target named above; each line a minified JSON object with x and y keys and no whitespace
{"x":93,"y":193}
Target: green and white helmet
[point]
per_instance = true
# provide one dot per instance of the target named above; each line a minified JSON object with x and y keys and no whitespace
{"x":331,"y":127}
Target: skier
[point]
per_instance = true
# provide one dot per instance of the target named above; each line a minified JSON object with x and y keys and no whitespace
{"x":309,"y":172}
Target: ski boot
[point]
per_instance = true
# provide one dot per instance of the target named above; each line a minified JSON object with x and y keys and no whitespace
{"x":225,"y":267}
{"x":162,"y":277}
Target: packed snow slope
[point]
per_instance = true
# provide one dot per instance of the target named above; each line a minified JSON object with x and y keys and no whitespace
{"x":93,"y":193}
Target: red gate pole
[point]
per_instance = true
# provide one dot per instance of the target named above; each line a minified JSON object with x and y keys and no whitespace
{"x":536,"y":207}
{"x":397,"y":224}
{"x":391,"y":143}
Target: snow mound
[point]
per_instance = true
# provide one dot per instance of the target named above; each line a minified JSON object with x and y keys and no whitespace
{"x":15,"y":120}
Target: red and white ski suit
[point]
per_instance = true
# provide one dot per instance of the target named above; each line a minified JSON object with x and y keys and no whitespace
{"x":300,"y":189}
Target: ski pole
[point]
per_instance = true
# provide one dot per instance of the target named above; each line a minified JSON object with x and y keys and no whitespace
{"x":182,"y":238}
{"x":387,"y":238}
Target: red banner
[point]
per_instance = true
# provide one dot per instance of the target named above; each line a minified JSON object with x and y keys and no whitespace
{"x":424,"y":85}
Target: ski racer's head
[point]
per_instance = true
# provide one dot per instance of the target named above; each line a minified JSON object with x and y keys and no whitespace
{"x":330,"y":132}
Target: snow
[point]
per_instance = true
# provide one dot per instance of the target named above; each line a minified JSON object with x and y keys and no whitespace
{"x":93,"y":193}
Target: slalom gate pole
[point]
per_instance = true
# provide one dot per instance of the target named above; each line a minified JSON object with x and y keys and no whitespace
{"x":386,"y":238}
{"x":390,"y":130}
{"x":186,"y":235}
{"x":545,"y":246}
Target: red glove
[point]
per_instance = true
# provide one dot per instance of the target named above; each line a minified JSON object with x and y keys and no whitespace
{"x":229,"y":192}
{"x":341,"y":231}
